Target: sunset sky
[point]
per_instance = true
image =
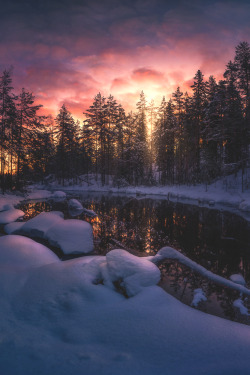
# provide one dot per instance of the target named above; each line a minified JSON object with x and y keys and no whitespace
{"x":67,"y":51}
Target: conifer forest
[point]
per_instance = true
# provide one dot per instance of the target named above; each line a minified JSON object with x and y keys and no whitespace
{"x":192,"y":137}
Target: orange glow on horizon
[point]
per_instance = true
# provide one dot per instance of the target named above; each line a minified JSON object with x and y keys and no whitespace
{"x":126,"y":92}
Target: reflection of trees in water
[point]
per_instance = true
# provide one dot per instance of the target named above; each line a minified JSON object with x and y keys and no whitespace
{"x":32,"y":209}
{"x":181,"y":282}
{"x":217,"y":240}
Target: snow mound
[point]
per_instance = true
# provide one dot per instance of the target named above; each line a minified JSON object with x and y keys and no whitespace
{"x":74,"y":204}
{"x":71,"y":236}
{"x":13,"y":228}
{"x":238,"y":279}
{"x":39,"y":194}
{"x":63,"y":313}
{"x":58,"y":195}
{"x":7,"y":207}
{"x":38,"y":226}
{"x":132,"y":273}
{"x":199,"y":296}
{"x":18,"y":251}
{"x":7,"y":201}
{"x":10,"y":215}
{"x":75,"y":207}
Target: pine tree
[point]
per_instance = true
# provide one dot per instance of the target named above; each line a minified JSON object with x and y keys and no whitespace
{"x":178,"y":103}
{"x":140,"y":151}
{"x":7,"y":122}
{"x":189,"y":161}
{"x":151,"y":109}
{"x":165,"y":142}
{"x":130,"y":157}
{"x":28,"y":123}
{"x":111,"y":133}
{"x":66,"y":135}
{"x":96,"y":126}
{"x":198,"y":105}
{"x":234,"y":129}
{"x":242,"y":66}
{"x":121,"y":171}
{"x":212,"y":133}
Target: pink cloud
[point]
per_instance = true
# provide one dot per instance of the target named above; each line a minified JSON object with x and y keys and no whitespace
{"x":147,"y":74}
{"x":122,"y":49}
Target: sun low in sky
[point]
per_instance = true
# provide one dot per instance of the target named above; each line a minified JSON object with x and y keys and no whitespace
{"x":66,"y":51}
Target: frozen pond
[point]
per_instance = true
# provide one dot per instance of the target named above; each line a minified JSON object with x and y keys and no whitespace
{"x":217,"y":240}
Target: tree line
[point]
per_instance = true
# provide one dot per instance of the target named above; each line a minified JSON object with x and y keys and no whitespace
{"x":191,"y":138}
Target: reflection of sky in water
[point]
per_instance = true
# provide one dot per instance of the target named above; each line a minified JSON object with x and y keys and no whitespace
{"x":217,"y":240}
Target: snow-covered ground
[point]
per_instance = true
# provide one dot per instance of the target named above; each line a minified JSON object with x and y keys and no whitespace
{"x":224,"y":193}
{"x":72,"y":318}
{"x":106,"y":315}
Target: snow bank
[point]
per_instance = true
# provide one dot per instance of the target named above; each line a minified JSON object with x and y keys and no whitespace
{"x":61,"y":319}
{"x":13,"y":228}
{"x":39,"y":194}
{"x":226,"y":192}
{"x":170,"y":253}
{"x":18,"y":251}
{"x":10,"y":215}
{"x":44,"y":194}
{"x":9,"y":200}
{"x":7,"y":207}
{"x":71,"y":236}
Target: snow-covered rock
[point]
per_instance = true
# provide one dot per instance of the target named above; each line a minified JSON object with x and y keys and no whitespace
{"x":198,"y":297}
{"x":74,"y":204}
{"x":132,"y":272}
{"x":58,"y":195}
{"x":38,"y":226}
{"x":71,"y":236}
{"x":10,"y":215}
{"x":238,"y":279}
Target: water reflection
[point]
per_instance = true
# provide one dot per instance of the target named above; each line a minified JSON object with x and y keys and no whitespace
{"x":217,"y":240}
{"x":33,"y":208}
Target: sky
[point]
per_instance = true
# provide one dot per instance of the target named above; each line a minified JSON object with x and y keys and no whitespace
{"x":66,"y":51}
